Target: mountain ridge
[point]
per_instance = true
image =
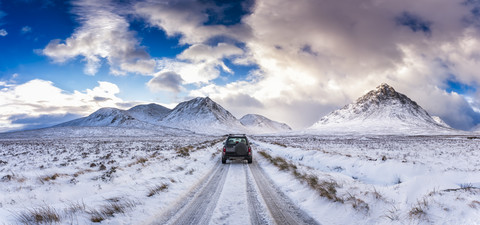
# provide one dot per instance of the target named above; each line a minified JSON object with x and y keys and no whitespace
{"x":262,"y":123}
{"x":201,"y":115}
{"x":382,"y":110}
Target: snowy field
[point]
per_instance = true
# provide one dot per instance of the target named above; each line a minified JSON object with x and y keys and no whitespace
{"x":334,"y":179}
{"x":113,"y":180}
{"x":380,"y":179}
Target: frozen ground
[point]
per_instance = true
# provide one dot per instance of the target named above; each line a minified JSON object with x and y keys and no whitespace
{"x":380,"y":179}
{"x":151,"y":179}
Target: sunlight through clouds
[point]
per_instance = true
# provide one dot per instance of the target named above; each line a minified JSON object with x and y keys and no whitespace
{"x":39,"y":97}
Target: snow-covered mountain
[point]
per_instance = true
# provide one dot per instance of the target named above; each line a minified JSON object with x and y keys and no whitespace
{"x":440,"y":121}
{"x":380,"y":111}
{"x":105,"y":117}
{"x":260,"y":124}
{"x":202,"y":115}
{"x":132,"y":119}
{"x":151,"y":113}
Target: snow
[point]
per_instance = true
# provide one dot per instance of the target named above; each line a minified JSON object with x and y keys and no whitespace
{"x":258,"y":124}
{"x":132,"y":167}
{"x":232,"y":206}
{"x":381,"y":111}
{"x":203,"y":115}
{"x":200,"y":115}
{"x":392,"y":174}
{"x":389,"y":160}
{"x":151,"y":113}
{"x":440,"y":121}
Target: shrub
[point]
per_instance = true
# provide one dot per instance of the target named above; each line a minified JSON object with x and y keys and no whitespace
{"x":39,"y":215}
{"x":184,"y":151}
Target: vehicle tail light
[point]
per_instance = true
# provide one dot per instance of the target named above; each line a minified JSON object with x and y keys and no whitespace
{"x":249,"y":149}
{"x":224,"y":149}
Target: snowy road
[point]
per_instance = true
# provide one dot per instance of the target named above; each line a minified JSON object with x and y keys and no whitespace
{"x":235,"y":193}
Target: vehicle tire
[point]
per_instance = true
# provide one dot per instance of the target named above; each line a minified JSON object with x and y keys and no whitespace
{"x":250,"y":160}
{"x":224,"y":160}
{"x":241,"y":149}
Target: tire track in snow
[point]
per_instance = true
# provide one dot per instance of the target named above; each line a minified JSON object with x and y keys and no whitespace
{"x":257,"y":210}
{"x":282,"y":209}
{"x":197,"y":207}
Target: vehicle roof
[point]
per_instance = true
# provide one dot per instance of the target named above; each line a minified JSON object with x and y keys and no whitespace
{"x":237,"y":135}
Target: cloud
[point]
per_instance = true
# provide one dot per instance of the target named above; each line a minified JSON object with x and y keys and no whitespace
{"x":188,"y":18}
{"x":26,"y":29}
{"x":329,"y":53}
{"x":166,"y":81}
{"x":35,"y":122}
{"x":104,"y":34}
{"x":40,"y":99}
{"x":200,"y":63}
{"x":313,"y":56}
{"x":3,"y":32}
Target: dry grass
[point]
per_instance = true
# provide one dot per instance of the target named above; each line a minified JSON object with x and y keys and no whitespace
{"x":184,"y":151}
{"x":357,"y":203}
{"x":392,"y":214}
{"x":141,"y":160}
{"x":114,"y":206}
{"x":39,"y":215}
{"x":325,"y":188}
{"x":474,"y":204}
{"x":53,"y":177}
{"x":419,"y":210}
{"x":157,"y":189}
{"x":279,"y":144}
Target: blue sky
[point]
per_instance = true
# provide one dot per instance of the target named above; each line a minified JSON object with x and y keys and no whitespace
{"x":64,"y":59}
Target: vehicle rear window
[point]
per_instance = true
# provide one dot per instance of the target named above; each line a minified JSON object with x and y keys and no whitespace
{"x":235,"y":140}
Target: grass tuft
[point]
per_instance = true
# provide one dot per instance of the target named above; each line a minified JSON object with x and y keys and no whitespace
{"x":184,"y":151}
{"x":113,"y":207}
{"x":419,"y":210}
{"x":157,"y":189}
{"x":327,"y":189}
{"x":39,"y":215}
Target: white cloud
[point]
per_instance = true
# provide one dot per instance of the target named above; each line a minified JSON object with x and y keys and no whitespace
{"x":3,"y":32}
{"x":26,"y":29}
{"x":200,"y":63}
{"x":104,"y":34}
{"x":39,"y":97}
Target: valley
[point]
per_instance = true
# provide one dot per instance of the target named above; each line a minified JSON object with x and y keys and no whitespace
{"x":331,"y":179}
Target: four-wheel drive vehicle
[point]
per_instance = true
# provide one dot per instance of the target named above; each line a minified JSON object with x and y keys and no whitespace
{"x":237,"y":146}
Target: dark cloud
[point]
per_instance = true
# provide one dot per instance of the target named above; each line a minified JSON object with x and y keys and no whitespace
{"x":166,"y":81}
{"x":42,"y":121}
{"x":125,"y":105}
{"x":100,"y":99}
{"x":242,"y":100}
{"x":462,"y":117}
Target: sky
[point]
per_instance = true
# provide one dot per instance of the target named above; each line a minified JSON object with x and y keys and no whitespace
{"x":292,"y":61}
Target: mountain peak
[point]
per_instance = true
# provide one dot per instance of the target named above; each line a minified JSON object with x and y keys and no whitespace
{"x":199,"y":113}
{"x":383,"y":109}
{"x":260,"y":124}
